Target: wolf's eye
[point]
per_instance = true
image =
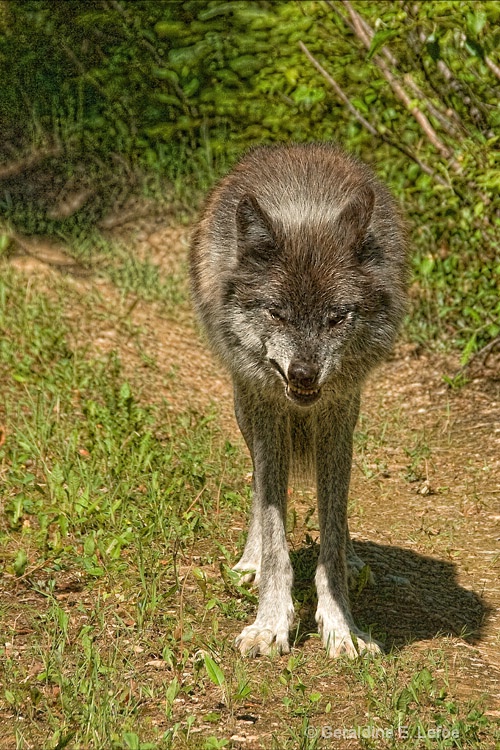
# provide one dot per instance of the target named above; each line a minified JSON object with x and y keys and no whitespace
{"x":276,"y":315}
{"x":336,"y":319}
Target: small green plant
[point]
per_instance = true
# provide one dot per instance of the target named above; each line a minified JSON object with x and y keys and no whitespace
{"x":120,"y":517}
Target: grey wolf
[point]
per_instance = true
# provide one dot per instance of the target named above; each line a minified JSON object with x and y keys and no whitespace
{"x":298,"y":269}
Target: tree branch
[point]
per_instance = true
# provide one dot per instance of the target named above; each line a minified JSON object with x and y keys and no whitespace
{"x":445,"y":122}
{"x":340,"y":93}
{"x":17,"y":167}
{"x":450,"y":121}
{"x":495,"y":69}
{"x":366,"y":124}
{"x":475,"y":107}
{"x":420,"y":117}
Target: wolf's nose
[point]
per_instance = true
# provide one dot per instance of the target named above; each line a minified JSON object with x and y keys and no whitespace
{"x":303,"y":374}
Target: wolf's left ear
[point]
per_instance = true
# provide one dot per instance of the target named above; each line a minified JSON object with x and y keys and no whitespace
{"x":352,"y":222}
{"x":254,"y":230}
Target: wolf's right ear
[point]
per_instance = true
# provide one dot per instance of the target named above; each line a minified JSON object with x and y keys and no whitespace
{"x":255,"y":234}
{"x":351,"y":225}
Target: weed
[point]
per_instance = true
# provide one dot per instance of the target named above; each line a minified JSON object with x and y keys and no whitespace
{"x":118,"y":530}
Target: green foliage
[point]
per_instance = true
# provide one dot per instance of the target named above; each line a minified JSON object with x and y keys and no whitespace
{"x":83,"y":457}
{"x":118,"y":611}
{"x":98,"y":94}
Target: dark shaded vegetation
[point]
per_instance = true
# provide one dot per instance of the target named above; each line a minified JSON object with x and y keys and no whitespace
{"x":104,"y":99}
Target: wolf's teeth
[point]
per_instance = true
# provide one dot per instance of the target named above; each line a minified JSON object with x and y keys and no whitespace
{"x":304,"y":391}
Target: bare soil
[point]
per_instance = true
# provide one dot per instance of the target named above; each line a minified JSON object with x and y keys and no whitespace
{"x":425,"y":494}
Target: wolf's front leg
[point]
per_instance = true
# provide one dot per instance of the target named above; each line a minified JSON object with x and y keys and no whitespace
{"x":333,"y":469}
{"x":271,"y":456}
{"x":249,"y":565}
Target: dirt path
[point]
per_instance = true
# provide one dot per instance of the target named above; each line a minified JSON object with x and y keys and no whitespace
{"x":425,"y":493}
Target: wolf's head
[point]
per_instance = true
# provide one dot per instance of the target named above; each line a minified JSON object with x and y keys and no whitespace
{"x":298,"y":271}
{"x":310,"y":300}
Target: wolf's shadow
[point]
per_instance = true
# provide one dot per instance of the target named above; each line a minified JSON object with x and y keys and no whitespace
{"x":414,"y":597}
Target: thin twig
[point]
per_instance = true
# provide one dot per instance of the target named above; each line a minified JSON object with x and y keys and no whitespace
{"x":452,"y":127}
{"x":489,"y":62}
{"x":495,"y":69}
{"x":366,"y":124}
{"x":337,"y":12}
{"x":450,"y":121}
{"x":445,"y":122}
{"x":465,"y":92}
{"x":398,"y":89}
{"x":340,"y":93}
{"x":485,"y":353}
{"x":23,"y":165}
{"x":36,"y":568}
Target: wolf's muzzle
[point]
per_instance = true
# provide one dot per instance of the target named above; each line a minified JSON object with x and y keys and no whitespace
{"x":300,"y":381}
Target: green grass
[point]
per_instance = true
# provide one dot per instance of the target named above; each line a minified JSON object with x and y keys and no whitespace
{"x":103,"y":490}
{"x":119,"y":522}
{"x":141,"y":277}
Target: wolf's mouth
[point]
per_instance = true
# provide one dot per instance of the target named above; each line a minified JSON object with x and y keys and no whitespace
{"x":302,"y":396}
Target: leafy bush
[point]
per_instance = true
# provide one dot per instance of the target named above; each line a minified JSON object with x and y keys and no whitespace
{"x":100,"y":94}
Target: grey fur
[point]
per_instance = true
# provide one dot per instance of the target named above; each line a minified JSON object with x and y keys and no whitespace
{"x":298,"y":270}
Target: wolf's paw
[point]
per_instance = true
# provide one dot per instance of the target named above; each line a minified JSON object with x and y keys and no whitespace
{"x":258,"y":639}
{"x":349,"y":641}
{"x":269,"y":632}
{"x":353,"y":644}
{"x":249,"y":571}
